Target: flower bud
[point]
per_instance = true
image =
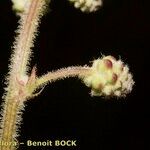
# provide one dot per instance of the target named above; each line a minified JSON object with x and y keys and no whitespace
{"x":87,"y":5}
{"x":20,"y":5}
{"x":109,"y":77}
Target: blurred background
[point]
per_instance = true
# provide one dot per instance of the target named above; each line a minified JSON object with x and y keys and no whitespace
{"x":65,"y":110}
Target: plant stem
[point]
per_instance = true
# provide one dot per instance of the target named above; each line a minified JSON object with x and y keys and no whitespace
{"x":27,"y":29}
{"x":63,"y":73}
{"x":15,"y":92}
{"x":12,"y":117}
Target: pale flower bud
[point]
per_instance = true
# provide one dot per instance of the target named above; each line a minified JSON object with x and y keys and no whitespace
{"x":109,"y":77}
{"x":87,"y":5}
{"x":21,"y":5}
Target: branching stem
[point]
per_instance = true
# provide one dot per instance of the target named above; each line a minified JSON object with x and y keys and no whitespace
{"x":15,"y":91}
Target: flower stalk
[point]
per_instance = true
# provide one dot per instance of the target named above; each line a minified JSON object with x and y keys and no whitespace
{"x":78,"y":71}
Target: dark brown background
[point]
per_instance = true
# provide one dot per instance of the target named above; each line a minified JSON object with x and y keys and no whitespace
{"x":65,"y":109}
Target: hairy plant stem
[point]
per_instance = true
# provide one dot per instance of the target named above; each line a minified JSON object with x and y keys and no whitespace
{"x":78,"y":71}
{"x":15,"y":94}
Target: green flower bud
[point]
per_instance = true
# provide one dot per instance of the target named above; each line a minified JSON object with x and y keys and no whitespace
{"x":87,"y":5}
{"x":109,"y":77}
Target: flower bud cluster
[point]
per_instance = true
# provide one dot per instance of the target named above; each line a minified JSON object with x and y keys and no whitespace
{"x":109,"y":77}
{"x":20,"y":5}
{"x":87,"y":5}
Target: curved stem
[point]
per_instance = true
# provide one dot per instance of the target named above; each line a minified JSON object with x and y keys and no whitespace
{"x":63,"y":73}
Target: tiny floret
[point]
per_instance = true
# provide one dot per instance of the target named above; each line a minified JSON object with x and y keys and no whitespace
{"x":87,"y":5}
{"x":20,"y":5}
{"x":109,"y":77}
